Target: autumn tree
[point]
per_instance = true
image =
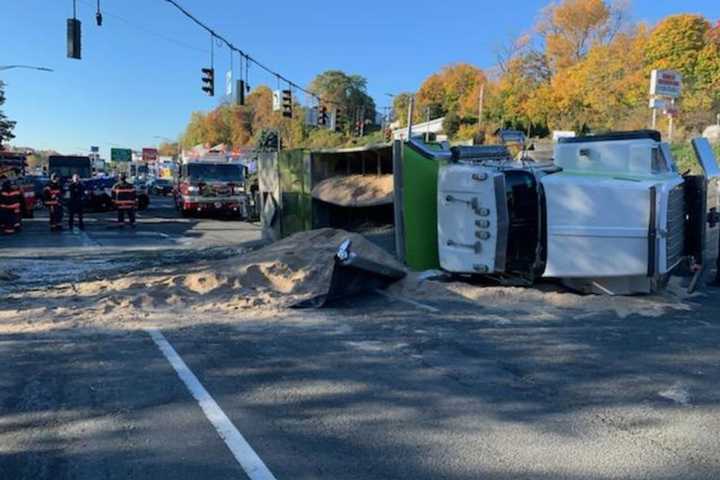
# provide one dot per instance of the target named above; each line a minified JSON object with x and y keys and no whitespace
{"x":169,"y":149}
{"x":456,"y":88}
{"x":572,"y":27}
{"x":687,"y":43}
{"x":6,"y":126}
{"x":603,"y":89}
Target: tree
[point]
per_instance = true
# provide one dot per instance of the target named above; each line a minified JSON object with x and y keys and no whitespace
{"x":601,"y":90}
{"x":346,"y":92}
{"x":6,"y":126}
{"x":196,"y":130}
{"x":686,"y":43}
{"x":519,"y":97}
{"x":456,"y":88}
{"x":570,"y":28}
{"x":401,"y":103}
{"x":676,"y":43}
{"x":169,"y":149}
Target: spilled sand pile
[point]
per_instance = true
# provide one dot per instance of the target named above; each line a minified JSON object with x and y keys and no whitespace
{"x":281,"y":275}
{"x":356,"y":190}
{"x":542,"y":301}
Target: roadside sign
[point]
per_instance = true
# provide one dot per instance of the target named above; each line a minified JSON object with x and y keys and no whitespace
{"x":149,"y":155}
{"x":228,"y":83}
{"x":120,"y":154}
{"x":277,"y":101}
{"x":94,"y":149}
{"x":665,"y":83}
{"x":658,"y":103}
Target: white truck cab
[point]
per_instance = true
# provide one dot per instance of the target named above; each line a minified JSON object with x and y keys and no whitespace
{"x":612,"y":214}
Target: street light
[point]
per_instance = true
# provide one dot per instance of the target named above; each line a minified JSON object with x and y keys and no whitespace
{"x":29,"y":67}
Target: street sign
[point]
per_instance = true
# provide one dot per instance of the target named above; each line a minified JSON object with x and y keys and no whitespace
{"x":665,"y":83}
{"x":94,"y":149}
{"x":228,"y":83}
{"x":277,"y":100}
{"x":149,"y":155}
{"x":120,"y":154}
{"x":658,"y":103}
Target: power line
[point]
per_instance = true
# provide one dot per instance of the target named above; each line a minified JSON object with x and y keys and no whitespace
{"x":248,"y":57}
{"x":148,"y":30}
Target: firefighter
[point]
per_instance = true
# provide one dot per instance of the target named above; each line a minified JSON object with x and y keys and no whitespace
{"x":10,"y":207}
{"x":52,"y":196}
{"x":76,"y":195}
{"x":125,"y":199}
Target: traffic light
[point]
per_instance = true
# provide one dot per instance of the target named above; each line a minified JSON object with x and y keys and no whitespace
{"x":240,"y":92}
{"x":74,"y":47}
{"x":208,"y":80}
{"x":337,"y":121}
{"x":322,"y":116}
{"x":287,"y":106}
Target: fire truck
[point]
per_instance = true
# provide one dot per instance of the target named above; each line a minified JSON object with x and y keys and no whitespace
{"x":13,"y":165}
{"x":213,"y":185}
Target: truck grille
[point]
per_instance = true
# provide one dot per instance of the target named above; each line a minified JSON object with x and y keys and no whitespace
{"x":675,"y":226}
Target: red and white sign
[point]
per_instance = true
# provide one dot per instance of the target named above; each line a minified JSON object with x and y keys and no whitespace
{"x":665,"y":83}
{"x":149,"y":155}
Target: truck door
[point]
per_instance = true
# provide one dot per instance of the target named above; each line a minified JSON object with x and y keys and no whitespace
{"x":703,"y":202}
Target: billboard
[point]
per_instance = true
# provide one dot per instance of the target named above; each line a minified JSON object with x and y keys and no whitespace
{"x":665,"y":83}
{"x":120,"y":154}
{"x":149,"y":155}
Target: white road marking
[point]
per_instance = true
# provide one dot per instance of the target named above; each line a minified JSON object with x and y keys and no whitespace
{"x":408,"y":301}
{"x":240,"y":448}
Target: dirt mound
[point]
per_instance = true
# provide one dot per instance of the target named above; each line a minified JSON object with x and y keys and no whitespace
{"x":356,"y":190}
{"x":542,"y":301}
{"x":293,"y":270}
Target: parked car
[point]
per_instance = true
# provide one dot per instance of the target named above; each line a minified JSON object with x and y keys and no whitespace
{"x":162,"y":186}
{"x":141,"y":189}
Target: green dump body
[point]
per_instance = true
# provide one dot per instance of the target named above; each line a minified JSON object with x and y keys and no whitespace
{"x":419,"y":198}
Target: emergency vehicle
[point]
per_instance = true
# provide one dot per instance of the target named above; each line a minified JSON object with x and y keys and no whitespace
{"x":212,"y":184}
{"x":13,"y":165}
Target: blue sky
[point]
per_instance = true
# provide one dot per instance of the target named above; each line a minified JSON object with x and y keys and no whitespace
{"x":140,"y":74}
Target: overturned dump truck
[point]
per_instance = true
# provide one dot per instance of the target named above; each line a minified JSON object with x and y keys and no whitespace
{"x":611,"y":214}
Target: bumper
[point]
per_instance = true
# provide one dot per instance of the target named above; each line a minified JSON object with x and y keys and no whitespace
{"x":235,"y":205}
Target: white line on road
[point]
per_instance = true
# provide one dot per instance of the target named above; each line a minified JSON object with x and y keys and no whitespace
{"x":240,"y":448}
{"x":408,"y":301}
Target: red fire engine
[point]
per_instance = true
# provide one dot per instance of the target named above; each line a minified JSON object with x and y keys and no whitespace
{"x":212,"y":184}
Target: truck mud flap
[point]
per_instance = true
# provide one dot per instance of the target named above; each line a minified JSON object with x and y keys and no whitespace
{"x":352,"y":275}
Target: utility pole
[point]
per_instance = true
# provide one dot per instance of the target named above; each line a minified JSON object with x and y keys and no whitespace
{"x":427,"y":125}
{"x":411,"y":111}
{"x":481,"y":101}
{"x":670,"y":120}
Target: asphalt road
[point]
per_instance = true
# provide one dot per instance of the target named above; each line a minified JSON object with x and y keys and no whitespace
{"x":369,"y":389}
{"x":158,"y":227}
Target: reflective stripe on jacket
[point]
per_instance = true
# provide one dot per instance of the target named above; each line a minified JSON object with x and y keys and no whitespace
{"x":52,"y":194}
{"x":124,"y":195}
{"x":11,"y":200}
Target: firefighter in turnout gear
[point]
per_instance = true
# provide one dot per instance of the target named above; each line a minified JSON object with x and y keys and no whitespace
{"x":125,"y":198}
{"x":11,"y":198}
{"x":76,"y":195}
{"x":52,"y":196}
